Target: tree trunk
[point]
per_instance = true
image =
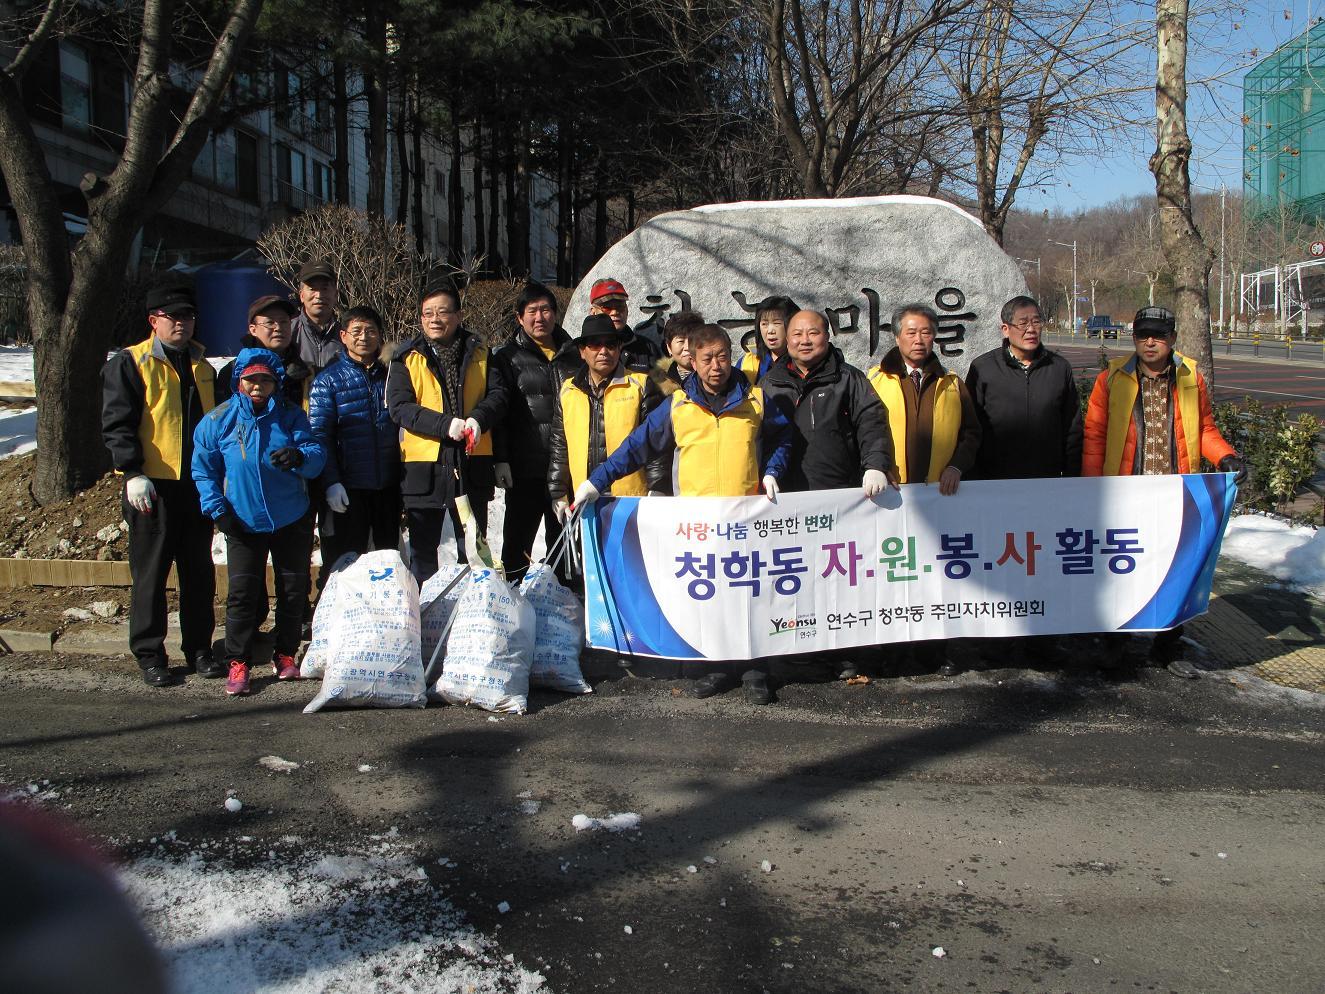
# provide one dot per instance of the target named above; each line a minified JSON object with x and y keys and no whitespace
{"x":340,"y":109}
{"x":1189,"y":258}
{"x":517,"y":258}
{"x":403,"y":170}
{"x":480,"y":229}
{"x":564,"y":207}
{"x":521,"y":210}
{"x":455,"y":199}
{"x":421,"y":178}
{"x":495,"y":260}
{"x":375,"y":87}
{"x":599,"y":211}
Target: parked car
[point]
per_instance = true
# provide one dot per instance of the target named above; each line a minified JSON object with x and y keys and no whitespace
{"x":1102,"y":326}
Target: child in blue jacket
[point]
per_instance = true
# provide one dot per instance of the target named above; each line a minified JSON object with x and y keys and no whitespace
{"x":252,"y":456}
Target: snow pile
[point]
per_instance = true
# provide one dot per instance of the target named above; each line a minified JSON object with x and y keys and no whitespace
{"x":299,"y":922}
{"x":16,"y":364}
{"x":624,"y":822}
{"x":1293,"y":554}
{"x":18,"y":431}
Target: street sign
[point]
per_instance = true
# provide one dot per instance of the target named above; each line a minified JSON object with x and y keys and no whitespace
{"x":1318,"y":248}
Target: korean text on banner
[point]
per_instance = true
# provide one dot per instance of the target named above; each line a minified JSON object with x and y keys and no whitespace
{"x":743,"y":578}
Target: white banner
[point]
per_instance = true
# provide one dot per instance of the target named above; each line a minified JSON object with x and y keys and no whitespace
{"x":743,"y":578}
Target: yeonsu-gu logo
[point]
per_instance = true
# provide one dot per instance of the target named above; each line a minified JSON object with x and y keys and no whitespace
{"x":800,"y":623}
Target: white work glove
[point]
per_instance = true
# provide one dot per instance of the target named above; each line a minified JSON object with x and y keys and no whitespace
{"x":561,"y":508}
{"x":585,"y":493}
{"x":771,"y":488}
{"x":337,"y":499}
{"x":140,"y":493}
{"x":502,"y":472}
{"x":874,"y":482}
{"x":456,"y":430}
{"x":472,"y":432}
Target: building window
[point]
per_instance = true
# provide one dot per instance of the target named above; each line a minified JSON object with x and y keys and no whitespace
{"x":439,"y":182}
{"x":75,"y":87}
{"x":321,"y":181}
{"x":246,"y":166}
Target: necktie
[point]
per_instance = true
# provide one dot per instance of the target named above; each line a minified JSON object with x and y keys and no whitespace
{"x":915,"y":380}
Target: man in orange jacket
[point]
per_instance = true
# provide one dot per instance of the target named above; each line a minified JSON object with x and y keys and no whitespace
{"x":1149,"y":415}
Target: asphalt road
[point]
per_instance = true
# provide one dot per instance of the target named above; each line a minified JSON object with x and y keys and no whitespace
{"x":1299,"y":383}
{"x":1051,"y":833}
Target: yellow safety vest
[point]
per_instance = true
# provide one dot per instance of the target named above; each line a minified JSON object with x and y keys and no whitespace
{"x":621,"y":408}
{"x":750,"y":367}
{"x":717,"y":456}
{"x":947,"y":420}
{"x":1123,"y":388}
{"x":161,"y":427}
{"x":428,"y":392}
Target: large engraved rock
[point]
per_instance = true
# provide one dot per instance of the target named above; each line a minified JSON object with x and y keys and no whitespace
{"x":855,"y":259}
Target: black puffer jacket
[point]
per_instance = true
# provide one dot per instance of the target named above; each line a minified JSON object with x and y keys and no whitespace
{"x":841,"y":427}
{"x":532,"y":384}
{"x":1031,"y":418}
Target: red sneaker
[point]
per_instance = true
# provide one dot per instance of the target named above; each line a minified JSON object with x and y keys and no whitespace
{"x":238,"y":681}
{"x":285,"y":667}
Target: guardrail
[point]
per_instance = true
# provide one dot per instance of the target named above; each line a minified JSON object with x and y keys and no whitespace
{"x":1253,"y":345}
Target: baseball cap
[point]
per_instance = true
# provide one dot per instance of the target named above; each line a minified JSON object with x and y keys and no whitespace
{"x":314,"y":268}
{"x":1153,"y":319}
{"x":171,"y":300}
{"x":606,"y":289}
{"x":267,"y":303}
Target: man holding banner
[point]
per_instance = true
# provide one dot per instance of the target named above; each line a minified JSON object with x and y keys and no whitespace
{"x":1149,"y":415}
{"x":727,"y":442}
{"x":933,"y":423}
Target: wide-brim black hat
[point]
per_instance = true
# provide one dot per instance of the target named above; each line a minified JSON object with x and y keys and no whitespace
{"x":601,"y":326}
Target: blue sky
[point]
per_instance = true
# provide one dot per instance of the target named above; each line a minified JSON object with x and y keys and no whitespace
{"x":1220,"y":52}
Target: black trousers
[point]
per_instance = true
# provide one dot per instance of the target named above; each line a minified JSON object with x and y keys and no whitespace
{"x":175,"y":532}
{"x":372,"y":517}
{"x":527,"y":504}
{"x":291,"y":548}
{"x":425,"y":535}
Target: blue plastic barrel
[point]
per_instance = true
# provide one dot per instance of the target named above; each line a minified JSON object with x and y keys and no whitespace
{"x":224,"y":291}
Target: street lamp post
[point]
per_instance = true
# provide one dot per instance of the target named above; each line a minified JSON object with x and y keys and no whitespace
{"x":1073,"y":247}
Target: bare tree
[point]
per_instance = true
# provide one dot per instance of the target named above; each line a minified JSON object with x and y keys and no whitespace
{"x":67,"y":293}
{"x":1189,"y":257}
{"x":1035,"y":79}
{"x":843,"y":72}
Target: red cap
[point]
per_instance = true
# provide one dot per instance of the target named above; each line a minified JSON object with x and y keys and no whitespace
{"x":603,"y":289}
{"x":256,"y":369}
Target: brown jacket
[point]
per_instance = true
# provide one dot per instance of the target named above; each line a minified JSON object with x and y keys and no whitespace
{"x":919,"y":414}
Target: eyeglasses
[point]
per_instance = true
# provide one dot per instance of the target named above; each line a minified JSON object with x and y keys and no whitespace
{"x":361,"y":333}
{"x":268,"y":324}
{"x":1028,"y":324}
{"x":429,"y":315}
{"x":177,"y":316}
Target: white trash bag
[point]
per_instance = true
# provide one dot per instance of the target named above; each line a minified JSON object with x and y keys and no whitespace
{"x":373,"y":655}
{"x":436,"y":603}
{"x":560,"y":634}
{"x":314,"y":663}
{"x":490,"y":648}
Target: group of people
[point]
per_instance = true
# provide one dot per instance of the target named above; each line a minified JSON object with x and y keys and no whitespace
{"x":309,"y":428}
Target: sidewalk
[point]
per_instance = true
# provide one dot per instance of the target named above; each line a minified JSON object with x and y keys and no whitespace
{"x":1256,"y":623}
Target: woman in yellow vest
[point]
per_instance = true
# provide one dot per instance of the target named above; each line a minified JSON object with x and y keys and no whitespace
{"x":936,"y":434}
{"x":447,"y":394}
{"x":597,"y":410}
{"x":772,"y":315}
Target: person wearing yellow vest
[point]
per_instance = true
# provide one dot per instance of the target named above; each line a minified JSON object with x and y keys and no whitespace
{"x":727,"y":441}
{"x":772,"y":316}
{"x":153,"y":396}
{"x":1149,"y":415}
{"x":934,"y":427}
{"x":597,"y":409}
{"x":447,"y":394}
{"x":932,"y":420}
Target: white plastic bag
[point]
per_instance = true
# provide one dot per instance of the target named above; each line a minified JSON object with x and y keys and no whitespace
{"x":435,"y":606}
{"x":314,"y":663}
{"x":560,"y":634}
{"x":373,"y":654}
{"x":490,"y":648}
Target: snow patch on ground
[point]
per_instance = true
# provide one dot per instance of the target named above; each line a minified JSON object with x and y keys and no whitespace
{"x":259,"y":921}
{"x":626,"y":821}
{"x":1290,"y":553}
{"x":18,"y":431}
{"x":16,"y":364}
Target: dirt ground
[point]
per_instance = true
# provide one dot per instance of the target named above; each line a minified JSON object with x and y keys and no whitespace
{"x":41,"y":609}
{"x":65,"y":530}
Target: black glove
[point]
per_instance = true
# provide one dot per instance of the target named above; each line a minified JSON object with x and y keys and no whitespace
{"x":1232,"y":464}
{"x":287,"y":458}
{"x":228,"y":524}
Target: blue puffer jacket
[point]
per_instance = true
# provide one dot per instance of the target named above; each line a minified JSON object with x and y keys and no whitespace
{"x":347,"y":410}
{"x":232,"y":449}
